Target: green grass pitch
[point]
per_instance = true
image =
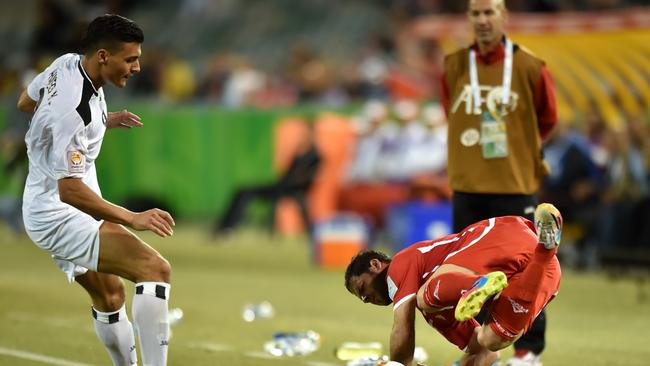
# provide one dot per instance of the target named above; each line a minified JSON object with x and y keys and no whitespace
{"x":594,"y":321}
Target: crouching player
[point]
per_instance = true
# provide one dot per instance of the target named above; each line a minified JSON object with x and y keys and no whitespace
{"x":506,"y":262}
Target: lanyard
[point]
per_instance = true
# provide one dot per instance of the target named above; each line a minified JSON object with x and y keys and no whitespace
{"x":507,"y":78}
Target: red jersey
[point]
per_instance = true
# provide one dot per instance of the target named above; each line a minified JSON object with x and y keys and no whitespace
{"x":499,"y":244}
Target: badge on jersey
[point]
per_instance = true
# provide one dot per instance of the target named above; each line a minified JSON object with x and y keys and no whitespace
{"x":392,"y":289}
{"x":494,"y":140}
{"x":76,"y":162}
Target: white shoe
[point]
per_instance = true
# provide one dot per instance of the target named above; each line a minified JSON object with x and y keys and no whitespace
{"x":529,"y":359}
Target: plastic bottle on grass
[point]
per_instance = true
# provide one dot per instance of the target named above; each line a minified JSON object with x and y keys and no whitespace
{"x":293,"y":343}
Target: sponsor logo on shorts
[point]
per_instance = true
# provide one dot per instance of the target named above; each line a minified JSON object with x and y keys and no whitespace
{"x":517,"y":307}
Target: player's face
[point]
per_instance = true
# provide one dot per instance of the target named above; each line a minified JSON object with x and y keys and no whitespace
{"x":487,"y":18}
{"x":371,"y":287}
{"x":122,"y":64}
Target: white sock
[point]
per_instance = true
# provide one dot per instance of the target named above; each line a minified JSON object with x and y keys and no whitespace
{"x":150,"y":318}
{"x":116,"y":333}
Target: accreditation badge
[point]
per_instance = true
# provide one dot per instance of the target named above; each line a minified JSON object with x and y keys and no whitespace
{"x":470,"y":137}
{"x":494,"y":140}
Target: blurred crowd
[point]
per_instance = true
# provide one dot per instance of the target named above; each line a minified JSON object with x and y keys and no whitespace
{"x":381,"y":64}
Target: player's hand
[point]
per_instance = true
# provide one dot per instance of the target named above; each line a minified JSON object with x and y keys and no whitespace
{"x":155,"y":220}
{"x":123,"y":119}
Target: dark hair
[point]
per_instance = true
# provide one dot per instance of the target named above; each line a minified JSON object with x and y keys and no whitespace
{"x":108,"y":30}
{"x":360,"y":264}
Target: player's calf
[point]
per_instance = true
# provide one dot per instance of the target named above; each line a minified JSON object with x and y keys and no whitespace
{"x":150,"y":315}
{"x":494,"y":341}
{"x":444,"y":290}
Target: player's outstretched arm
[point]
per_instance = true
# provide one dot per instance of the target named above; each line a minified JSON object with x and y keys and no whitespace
{"x":402,"y":337}
{"x":123,"y":119}
{"x":25,"y":103}
{"x":77,"y":194}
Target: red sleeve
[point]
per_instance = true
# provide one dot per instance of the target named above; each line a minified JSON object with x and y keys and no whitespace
{"x":444,"y":93}
{"x":545,"y":105}
{"x":403,"y":280}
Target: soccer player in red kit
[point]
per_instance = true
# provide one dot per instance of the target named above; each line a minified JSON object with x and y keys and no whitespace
{"x":508,"y":262}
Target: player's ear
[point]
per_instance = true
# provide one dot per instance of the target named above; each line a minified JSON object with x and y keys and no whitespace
{"x":102,"y":56}
{"x":375,"y":265}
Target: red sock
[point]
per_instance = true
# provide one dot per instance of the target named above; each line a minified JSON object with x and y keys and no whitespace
{"x":445,"y":289}
{"x":531,"y":278}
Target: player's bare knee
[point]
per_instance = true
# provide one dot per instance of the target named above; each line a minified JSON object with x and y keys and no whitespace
{"x":158,"y":270}
{"x":165,"y":270}
{"x":114,"y":300}
{"x":110,"y":297}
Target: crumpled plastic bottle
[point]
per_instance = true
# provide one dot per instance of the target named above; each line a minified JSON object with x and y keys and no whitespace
{"x":367,"y":361}
{"x":355,"y":350}
{"x":174,"y":316}
{"x":293,"y":343}
{"x":263,"y":310}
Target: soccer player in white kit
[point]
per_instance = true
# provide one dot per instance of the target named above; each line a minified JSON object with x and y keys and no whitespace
{"x":63,"y":209}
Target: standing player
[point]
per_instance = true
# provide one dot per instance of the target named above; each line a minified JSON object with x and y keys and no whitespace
{"x":500,"y":103}
{"x":63,"y":209}
{"x":505,"y":260}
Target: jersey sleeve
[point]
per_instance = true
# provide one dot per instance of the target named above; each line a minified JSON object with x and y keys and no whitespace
{"x":69,"y":147}
{"x":402,"y":280}
{"x":34,"y":87}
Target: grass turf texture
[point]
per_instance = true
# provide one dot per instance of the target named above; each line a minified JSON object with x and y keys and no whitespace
{"x":594,"y":321}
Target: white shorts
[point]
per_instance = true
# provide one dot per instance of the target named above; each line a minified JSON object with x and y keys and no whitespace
{"x":72,"y":237}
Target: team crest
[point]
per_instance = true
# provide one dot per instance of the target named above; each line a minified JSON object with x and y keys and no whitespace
{"x":76,"y":162}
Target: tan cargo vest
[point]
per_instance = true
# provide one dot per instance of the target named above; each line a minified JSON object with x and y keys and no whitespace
{"x":469,"y":171}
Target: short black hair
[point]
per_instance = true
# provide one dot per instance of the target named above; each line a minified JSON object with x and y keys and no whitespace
{"x":360,"y":264}
{"x":108,"y":30}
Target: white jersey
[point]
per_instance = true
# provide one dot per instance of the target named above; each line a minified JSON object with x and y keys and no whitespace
{"x":64,"y":138}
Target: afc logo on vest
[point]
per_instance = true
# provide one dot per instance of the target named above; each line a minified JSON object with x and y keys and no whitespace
{"x":490,"y":95}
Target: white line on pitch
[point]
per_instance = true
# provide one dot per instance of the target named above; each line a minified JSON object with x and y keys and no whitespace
{"x":320,"y":363}
{"x":262,"y":355}
{"x":38,"y":357}
{"x":214,"y":347}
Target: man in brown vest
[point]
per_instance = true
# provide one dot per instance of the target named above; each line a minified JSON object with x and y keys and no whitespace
{"x":500,"y":103}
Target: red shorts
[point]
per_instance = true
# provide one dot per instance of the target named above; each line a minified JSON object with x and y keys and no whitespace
{"x":508,"y":247}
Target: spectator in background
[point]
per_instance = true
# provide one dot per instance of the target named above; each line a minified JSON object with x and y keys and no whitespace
{"x":376,"y":61}
{"x":177,"y":80}
{"x":14,"y":150}
{"x":399,"y":157}
{"x":627,"y":186}
{"x":308,"y":72}
{"x":429,"y":181}
{"x":575,"y":185}
{"x":214,"y":78}
{"x":500,"y":103}
{"x":241,"y":83}
{"x":294,"y":183}
{"x":371,"y":129}
{"x":640,"y":134}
